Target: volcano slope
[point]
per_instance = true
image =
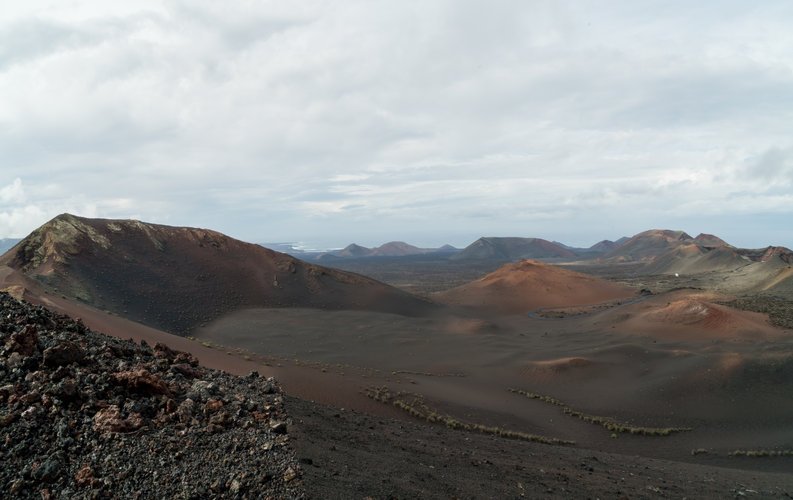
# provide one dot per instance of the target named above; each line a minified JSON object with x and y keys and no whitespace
{"x":471,"y":385}
{"x":672,"y":374}
{"x":176,"y":278}
{"x":664,"y":259}
{"x":517,"y":288}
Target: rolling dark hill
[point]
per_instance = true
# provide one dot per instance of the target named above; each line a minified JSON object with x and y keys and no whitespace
{"x":178,"y":278}
{"x":647,"y":246}
{"x":513,"y":249}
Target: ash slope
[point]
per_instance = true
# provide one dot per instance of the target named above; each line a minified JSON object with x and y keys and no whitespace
{"x":177,"y":278}
{"x":89,"y":416}
{"x":520,"y":287}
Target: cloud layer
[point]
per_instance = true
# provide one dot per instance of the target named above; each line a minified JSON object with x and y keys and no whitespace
{"x":331,"y":122}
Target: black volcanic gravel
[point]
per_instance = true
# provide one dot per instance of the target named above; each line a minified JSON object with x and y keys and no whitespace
{"x":84,"y":415}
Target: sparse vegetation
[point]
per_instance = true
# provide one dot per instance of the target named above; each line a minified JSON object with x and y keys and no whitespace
{"x":761,"y":453}
{"x":605,"y":422}
{"x":780,"y":311}
{"x":414,"y":405}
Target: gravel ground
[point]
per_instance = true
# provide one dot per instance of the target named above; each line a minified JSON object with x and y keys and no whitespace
{"x":348,"y":455}
{"x":84,"y":415}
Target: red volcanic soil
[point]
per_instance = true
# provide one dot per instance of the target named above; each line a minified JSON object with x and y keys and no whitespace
{"x":176,"y":278}
{"x":693,"y":315}
{"x":520,"y":287}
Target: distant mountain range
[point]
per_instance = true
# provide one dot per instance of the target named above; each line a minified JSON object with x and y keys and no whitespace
{"x":390,"y":249}
{"x":505,"y":249}
{"x":102,"y":255}
{"x":7,"y":243}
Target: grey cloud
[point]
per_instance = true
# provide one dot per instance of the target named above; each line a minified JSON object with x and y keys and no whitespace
{"x":461,"y":116}
{"x":34,"y":38}
{"x":774,"y":166}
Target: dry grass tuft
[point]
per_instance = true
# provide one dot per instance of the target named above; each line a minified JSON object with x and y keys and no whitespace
{"x":414,"y":405}
{"x":606,"y":422}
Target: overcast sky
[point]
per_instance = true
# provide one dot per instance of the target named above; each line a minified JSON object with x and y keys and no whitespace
{"x":432,"y":122}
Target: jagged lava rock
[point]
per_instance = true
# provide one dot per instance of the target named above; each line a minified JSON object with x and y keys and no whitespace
{"x":84,"y":415}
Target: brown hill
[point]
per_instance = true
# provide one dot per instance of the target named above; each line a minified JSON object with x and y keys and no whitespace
{"x":708,"y":240}
{"x":353,"y":250}
{"x":397,"y":248}
{"x":520,"y":287}
{"x":512,"y":249}
{"x":605,"y":246}
{"x":177,"y":278}
{"x":692,"y":258}
{"x":737,"y":270}
{"x":647,"y":246}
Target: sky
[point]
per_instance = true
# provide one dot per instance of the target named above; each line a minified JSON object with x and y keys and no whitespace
{"x":432,"y":122}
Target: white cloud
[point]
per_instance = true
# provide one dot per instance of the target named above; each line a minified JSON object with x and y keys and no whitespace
{"x":13,"y":193}
{"x":273,"y":120}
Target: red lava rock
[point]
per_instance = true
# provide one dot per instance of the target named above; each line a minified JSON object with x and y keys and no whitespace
{"x":188,"y":370}
{"x":86,"y":476}
{"x":141,"y":381}
{"x":213,"y":405}
{"x":30,"y":398}
{"x":162,"y":351}
{"x":221,"y":419}
{"x":8,"y":419}
{"x":6,"y":391}
{"x":110,"y":420}
{"x":64,"y":353}
{"x":24,"y":342}
{"x":185,"y":410}
{"x":92,"y":416}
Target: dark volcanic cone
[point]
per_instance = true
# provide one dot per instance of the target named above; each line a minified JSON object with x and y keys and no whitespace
{"x":177,"y":278}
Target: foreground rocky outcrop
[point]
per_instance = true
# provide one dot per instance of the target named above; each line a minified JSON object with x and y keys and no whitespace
{"x":84,"y":415}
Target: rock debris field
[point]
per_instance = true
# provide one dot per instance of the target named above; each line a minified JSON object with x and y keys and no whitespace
{"x":84,"y":415}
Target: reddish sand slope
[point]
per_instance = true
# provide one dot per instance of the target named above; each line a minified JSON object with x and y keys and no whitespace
{"x":693,"y":315}
{"x":517,"y":288}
